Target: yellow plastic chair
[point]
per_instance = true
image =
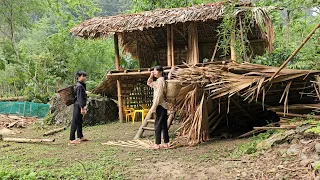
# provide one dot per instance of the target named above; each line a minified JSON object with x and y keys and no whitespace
{"x":145,"y":108}
{"x":144,"y":111}
{"x":129,"y":112}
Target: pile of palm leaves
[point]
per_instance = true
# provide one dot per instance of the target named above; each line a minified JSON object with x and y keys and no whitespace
{"x":221,"y":81}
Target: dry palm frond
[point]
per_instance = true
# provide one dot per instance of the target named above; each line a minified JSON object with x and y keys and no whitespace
{"x":141,"y":144}
{"x":222,"y":81}
{"x":262,"y":19}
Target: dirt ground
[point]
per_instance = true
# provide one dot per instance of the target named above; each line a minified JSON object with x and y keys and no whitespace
{"x":216,"y":159}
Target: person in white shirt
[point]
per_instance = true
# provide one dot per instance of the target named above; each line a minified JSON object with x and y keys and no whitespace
{"x":159,"y":106}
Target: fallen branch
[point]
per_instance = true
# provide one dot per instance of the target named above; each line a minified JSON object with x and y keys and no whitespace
{"x":54,"y":131}
{"x":12,"y":124}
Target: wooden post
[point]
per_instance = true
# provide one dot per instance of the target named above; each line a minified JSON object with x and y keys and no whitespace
{"x":232,"y":46}
{"x":116,"y":51}
{"x":193,"y":48}
{"x":169,"y":44}
{"x":138,"y":55}
{"x":195,"y":43}
{"x":172,"y":46}
{"x":117,"y":64}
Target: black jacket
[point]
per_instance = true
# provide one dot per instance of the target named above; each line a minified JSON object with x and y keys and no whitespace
{"x":81,"y":95}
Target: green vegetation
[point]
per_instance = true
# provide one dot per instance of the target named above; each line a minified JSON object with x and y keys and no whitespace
{"x":61,"y":161}
{"x":315,"y":130}
{"x":317,"y":166}
{"x":38,"y":55}
{"x":250,"y":147}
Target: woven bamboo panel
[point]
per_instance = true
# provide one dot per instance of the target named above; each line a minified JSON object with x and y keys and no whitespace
{"x":134,"y":95}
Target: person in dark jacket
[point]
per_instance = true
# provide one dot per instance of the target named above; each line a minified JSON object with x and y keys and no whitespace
{"x":79,"y":108}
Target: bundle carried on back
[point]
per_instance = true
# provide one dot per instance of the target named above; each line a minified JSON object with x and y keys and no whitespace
{"x":68,"y":95}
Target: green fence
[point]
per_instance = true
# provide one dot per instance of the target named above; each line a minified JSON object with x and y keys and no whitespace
{"x":28,"y":109}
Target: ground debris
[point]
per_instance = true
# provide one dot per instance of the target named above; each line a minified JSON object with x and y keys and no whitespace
{"x":10,"y":121}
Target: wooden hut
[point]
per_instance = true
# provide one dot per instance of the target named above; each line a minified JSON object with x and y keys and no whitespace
{"x":166,"y":37}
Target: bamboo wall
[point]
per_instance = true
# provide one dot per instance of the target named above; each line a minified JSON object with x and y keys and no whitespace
{"x":134,"y":95}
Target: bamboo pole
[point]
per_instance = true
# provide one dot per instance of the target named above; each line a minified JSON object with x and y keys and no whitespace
{"x":169,"y":44}
{"x":294,"y":53}
{"x":189,"y":46}
{"x":215,"y":50}
{"x":117,"y":64}
{"x":172,"y":46}
{"x":232,"y":46}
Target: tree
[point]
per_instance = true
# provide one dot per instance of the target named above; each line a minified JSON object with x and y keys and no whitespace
{"x":15,"y":15}
{"x":292,"y":24}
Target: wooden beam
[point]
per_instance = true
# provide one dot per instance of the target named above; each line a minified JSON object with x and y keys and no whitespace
{"x":146,"y":71}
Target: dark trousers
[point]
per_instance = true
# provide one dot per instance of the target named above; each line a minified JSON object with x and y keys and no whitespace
{"x":76,"y":123}
{"x":161,"y":124}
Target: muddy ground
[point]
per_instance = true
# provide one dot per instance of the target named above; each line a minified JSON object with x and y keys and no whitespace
{"x":216,"y":159}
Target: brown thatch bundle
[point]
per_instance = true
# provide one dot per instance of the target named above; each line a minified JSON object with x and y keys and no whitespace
{"x":251,"y":82}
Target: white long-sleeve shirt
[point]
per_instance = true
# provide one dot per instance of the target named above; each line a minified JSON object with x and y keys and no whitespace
{"x":158,"y":97}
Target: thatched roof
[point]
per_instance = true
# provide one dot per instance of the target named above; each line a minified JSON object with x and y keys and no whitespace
{"x":100,"y":27}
